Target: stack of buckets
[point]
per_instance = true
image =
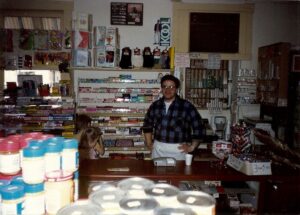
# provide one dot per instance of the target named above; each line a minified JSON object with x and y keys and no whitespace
{"x":38,"y":173}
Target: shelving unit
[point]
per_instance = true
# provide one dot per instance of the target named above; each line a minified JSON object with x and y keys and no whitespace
{"x":117,"y":101}
{"x":273,"y":68}
{"x":246,"y":87}
{"x":53,"y":115}
{"x":272,"y":85}
{"x":207,"y":88}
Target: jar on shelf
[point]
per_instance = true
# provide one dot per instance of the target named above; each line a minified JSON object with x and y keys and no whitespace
{"x":53,"y":156}
{"x":34,"y":202}
{"x":33,"y":159}
{"x":12,"y":199}
{"x":70,"y":155}
{"x":59,"y":190}
{"x":9,"y":157}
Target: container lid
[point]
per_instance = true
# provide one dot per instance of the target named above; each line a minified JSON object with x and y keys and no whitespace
{"x":107,"y":198}
{"x":10,"y":192}
{"x":35,"y":142}
{"x":9,"y":146}
{"x":55,"y":139}
{"x":46,"y":136}
{"x":135,"y":183}
{"x":76,"y":174}
{"x":9,"y":177}
{"x":173,"y":211}
{"x":53,"y":147}
{"x":36,"y":135}
{"x":80,"y":208}
{"x":33,"y":188}
{"x":33,"y":151}
{"x":25,"y":141}
{"x":17,"y":180}
{"x":4,"y":182}
{"x":70,"y":143}
{"x":162,"y":189}
{"x":196,"y":198}
{"x":134,"y":205}
{"x":14,"y":137}
{"x":59,"y":175}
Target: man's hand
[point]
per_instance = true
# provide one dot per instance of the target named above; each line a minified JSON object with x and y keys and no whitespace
{"x":185,"y":148}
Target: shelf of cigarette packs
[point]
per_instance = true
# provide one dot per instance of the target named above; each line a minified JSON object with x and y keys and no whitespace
{"x":54,"y":115}
{"x":118,"y":106}
{"x":207,"y":88}
{"x":246,"y":87}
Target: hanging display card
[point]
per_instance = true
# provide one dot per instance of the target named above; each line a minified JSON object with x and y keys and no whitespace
{"x":126,"y":13}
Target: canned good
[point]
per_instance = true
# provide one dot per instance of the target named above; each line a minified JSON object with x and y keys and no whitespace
{"x":173,"y":211}
{"x":108,"y":199}
{"x":200,"y":202}
{"x":138,"y":206}
{"x":80,"y":207}
{"x":165,"y":194}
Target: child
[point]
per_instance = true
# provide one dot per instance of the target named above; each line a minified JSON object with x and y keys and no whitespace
{"x":90,"y":143}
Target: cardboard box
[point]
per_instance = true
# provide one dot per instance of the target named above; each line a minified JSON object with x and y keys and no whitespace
{"x":249,"y":165}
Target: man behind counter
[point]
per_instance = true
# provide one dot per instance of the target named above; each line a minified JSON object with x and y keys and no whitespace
{"x":174,"y":123}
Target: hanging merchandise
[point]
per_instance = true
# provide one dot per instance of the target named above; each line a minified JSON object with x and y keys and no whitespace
{"x":164,"y":59}
{"x":148,"y":58}
{"x":156,"y":57}
{"x":125,"y":62}
{"x":137,"y":59}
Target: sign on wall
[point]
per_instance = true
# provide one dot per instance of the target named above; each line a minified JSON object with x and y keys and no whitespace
{"x":126,"y":13}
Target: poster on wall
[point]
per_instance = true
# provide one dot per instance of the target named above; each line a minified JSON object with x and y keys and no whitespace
{"x":126,"y":13}
{"x":162,"y":32}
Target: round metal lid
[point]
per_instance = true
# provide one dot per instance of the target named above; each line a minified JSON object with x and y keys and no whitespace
{"x":80,"y":208}
{"x":196,"y":198}
{"x":162,"y":189}
{"x":173,"y":211}
{"x":134,"y":205}
{"x":135,"y":183}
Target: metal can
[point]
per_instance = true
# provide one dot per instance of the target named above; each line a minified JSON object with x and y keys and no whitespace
{"x":173,"y":211}
{"x":200,"y":202}
{"x":138,"y":206}
{"x":135,"y":186}
{"x":82,"y":207}
{"x":108,"y":199}
{"x":165,"y":194}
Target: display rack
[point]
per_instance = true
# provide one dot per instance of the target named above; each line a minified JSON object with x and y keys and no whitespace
{"x":117,"y":101}
{"x":207,"y":88}
{"x":51,"y":114}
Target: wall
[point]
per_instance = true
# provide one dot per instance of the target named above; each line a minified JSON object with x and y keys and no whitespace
{"x":276,"y":21}
{"x":132,"y":36}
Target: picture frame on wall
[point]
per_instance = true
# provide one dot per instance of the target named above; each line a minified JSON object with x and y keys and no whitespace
{"x":126,"y":13}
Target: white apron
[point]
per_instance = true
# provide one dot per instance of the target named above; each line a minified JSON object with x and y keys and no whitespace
{"x":161,"y":149}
